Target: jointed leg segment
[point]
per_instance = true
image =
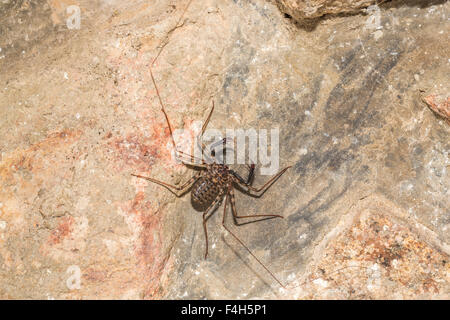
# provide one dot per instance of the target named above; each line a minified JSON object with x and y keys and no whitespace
{"x":170,"y":186}
{"x":240,"y":241}
{"x":265,"y":186}
{"x":235,"y":215}
{"x":193,"y":161}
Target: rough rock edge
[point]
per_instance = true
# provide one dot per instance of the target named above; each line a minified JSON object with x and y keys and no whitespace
{"x":306,"y":17}
{"x":362,"y":209}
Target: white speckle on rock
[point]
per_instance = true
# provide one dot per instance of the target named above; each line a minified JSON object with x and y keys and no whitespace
{"x":303,"y":236}
{"x":2,"y":225}
{"x":321,"y":282}
{"x":303,"y":151}
{"x":236,"y":117}
{"x":111,"y":245}
{"x":66,"y":76}
{"x":282,"y":290}
{"x":377,"y":34}
{"x":375,"y":267}
{"x":374,"y":281}
{"x":291,"y":277}
{"x":82,"y":203}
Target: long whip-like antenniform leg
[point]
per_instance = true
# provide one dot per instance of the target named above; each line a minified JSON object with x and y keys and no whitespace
{"x":240,"y":241}
{"x":177,"y":152}
{"x":200,"y":136}
{"x":176,"y":25}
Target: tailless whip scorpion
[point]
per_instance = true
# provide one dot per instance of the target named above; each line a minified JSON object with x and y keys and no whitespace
{"x":214,"y":181}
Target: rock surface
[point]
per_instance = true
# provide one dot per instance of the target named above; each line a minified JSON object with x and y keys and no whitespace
{"x":301,"y":10}
{"x":439,"y":105}
{"x":365,"y":206}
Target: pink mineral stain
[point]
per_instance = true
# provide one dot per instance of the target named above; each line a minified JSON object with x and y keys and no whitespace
{"x":64,"y":229}
{"x":148,"y":246}
{"x":439,"y":105}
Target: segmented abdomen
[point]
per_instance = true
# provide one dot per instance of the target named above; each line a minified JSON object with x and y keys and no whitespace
{"x":204,"y":192}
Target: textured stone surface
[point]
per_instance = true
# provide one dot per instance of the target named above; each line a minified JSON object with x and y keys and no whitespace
{"x":366,"y":204}
{"x":377,"y":256}
{"x":301,"y":10}
{"x":439,"y":105}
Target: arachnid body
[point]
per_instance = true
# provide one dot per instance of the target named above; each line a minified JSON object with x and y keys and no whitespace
{"x":214,"y":183}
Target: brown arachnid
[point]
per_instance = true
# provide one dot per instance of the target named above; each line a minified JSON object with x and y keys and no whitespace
{"x":213,"y":182}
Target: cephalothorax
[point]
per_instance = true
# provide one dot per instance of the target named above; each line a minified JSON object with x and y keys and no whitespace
{"x":214,"y":181}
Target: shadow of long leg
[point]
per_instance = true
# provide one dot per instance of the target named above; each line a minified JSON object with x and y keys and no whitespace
{"x":240,"y":241}
{"x":206,"y":217}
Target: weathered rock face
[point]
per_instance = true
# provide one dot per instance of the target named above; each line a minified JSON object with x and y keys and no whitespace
{"x":439,"y":105}
{"x":23,"y":23}
{"x":365,"y":205}
{"x":301,"y":10}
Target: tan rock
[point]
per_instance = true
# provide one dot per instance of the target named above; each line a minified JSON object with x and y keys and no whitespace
{"x":365,"y":204}
{"x":301,"y":10}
